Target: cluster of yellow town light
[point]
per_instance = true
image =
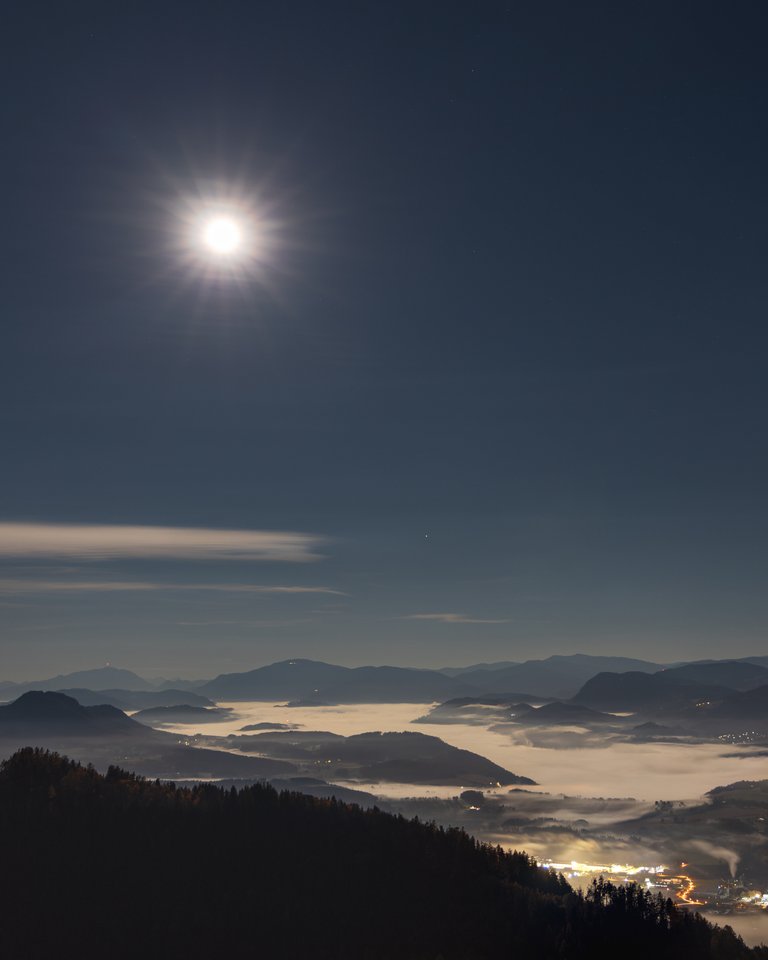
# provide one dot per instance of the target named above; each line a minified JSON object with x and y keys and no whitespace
{"x":615,"y":869}
{"x":686,"y":885}
{"x":757,"y":899}
{"x":575,"y":869}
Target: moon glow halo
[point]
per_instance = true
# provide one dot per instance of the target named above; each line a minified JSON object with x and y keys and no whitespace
{"x":222,"y":236}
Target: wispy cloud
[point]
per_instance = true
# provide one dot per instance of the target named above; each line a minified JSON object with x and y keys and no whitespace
{"x":9,"y":586}
{"x":450,"y":618}
{"x":241,"y":623}
{"x":92,"y":542}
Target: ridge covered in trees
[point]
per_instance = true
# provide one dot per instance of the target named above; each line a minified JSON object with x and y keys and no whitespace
{"x":113,"y":865}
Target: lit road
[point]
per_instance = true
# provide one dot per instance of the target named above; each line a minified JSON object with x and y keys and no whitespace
{"x":685,"y":893}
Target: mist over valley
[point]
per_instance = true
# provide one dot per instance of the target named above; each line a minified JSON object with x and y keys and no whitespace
{"x":567,"y":780}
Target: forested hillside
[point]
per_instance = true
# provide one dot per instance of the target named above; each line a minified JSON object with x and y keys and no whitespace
{"x":116,"y":866}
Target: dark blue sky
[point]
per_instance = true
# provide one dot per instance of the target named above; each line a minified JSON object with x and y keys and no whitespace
{"x":514,"y":300}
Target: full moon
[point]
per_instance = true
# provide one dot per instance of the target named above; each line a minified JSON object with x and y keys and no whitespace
{"x":222,"y":236}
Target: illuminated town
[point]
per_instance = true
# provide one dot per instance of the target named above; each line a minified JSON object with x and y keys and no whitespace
{"x":724,"y":898}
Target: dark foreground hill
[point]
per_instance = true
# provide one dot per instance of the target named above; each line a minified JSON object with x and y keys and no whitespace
{"x":104,"y":735}
{"x":180,"y":713}
{"x":113,"y":866}
{"x":374,"y":757}
{"x":44,"y":711}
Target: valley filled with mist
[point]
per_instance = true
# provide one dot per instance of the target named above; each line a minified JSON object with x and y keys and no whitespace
{"x":383,"y":496}
{"x":595,"y":766}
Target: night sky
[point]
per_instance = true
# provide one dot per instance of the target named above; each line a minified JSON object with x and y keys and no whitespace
{"x":493,"y":388}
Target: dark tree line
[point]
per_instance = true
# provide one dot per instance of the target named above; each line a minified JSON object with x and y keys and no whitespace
{"x":116,"y":866}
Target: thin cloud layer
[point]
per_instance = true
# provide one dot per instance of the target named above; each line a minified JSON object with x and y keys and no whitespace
{"x":10,"y":586}
{"x":450,"y":618}
{"x":92,"y":542}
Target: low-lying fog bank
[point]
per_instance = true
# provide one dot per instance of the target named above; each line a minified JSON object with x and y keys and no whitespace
{"x":564,"y":794}
{"x":645,"y":771}
{"x":596,"y":800}
{"x":751,"y":927}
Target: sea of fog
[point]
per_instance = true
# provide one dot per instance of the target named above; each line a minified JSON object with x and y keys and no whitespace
{"x":647,"y":772}
{"x":751,"y":927}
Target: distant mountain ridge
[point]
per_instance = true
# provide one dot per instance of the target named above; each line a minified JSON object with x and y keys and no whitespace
{"x":137,"y":699}
{"x":497,"y":665}
{"x":670,"y":689}
{"x":735,"y":674}
{"x":310,"y":680}
{"x":731,"y":712}
{"x":559,"y":677}
{"x":101,"y":678}
{"x":284,"y":680}
{"x":314,"y":680}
